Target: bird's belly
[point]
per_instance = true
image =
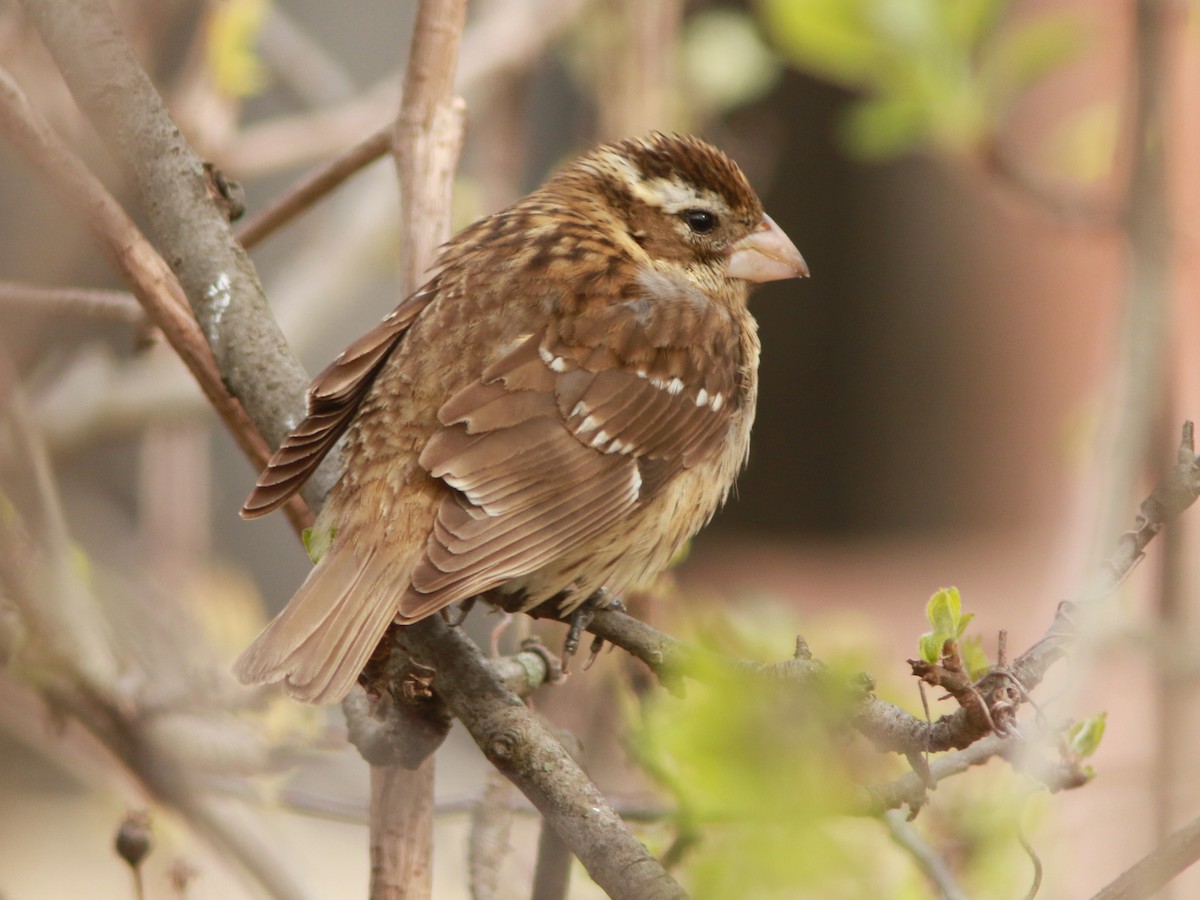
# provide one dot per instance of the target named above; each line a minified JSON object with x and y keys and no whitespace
{"x":633,"y":550}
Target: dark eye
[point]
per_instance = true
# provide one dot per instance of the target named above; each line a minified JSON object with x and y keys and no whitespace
{"x":701,"y":221}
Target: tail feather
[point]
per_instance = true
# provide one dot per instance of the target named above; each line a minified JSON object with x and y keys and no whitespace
{"x":320,"y":642}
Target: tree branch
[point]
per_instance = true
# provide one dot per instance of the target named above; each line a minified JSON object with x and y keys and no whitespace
{"x":523,"y":749}
{"x":1172,"y":856}
{"x":116,"y":306}
{"x":152,"y":282}
{"x":217,"y":277}
{"x":888,"y":726}
{"x":313,"y":186}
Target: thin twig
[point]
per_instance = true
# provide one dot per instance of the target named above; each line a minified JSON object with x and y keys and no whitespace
{"x":888,"y":726}
{"x":116,"y":306}
{"x":928,"y":860}
{"x":314,"y":185}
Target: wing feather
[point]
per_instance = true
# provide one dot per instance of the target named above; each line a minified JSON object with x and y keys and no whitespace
{"x":333,"y":398}
{"x":565,"y":435}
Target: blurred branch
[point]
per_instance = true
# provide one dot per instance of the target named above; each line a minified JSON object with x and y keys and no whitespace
{"x":510,"y":36}
{"x":214,"y":272}
{"x":1143,"y":351}
{"x":1180,"y":850}
{"x":37,"y":576}
{"x":116,"y":306}
{"x":152,"y":282}
{"x":905,"y":834}
{"x":98,"y":396}
{"x":302,"y":61}
{"x":316,"y":184}
{"x":1074,"y":209}
{"x":132,"y":720}
{"x":488,"y":841}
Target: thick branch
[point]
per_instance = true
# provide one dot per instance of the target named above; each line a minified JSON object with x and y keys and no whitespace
{"x":216,"y":275}
{"x":523,"y":749}
{"x":152,"y":282}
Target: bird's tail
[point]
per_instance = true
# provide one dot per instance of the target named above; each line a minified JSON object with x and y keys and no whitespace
{"x":325,"y":635}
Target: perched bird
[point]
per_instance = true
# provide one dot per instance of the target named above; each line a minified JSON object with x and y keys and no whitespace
{"x":562,"y":405}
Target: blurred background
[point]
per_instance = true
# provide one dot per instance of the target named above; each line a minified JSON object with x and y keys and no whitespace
{"x":985,"y":372}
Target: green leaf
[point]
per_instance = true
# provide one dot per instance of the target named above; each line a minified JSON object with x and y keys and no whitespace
{"x":881,"y":128}
{"x":1084,"y":736}
{"x":963,"y":623}
{"x":756,"y":769}
{"x":931,"y":647}
{"x":933,"y":73}
{"x":943,"y":611}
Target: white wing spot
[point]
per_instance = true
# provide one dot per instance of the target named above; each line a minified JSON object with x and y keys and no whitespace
{"x":601,"y":437}
{"x":637,"y":482}
{"x":588,"y":424}
{"x":674,"y":386}
{"x":717,"y":400}
{"x":581,"y":409}
{"x":641,"y":373}
{"x":702,"y":397}
{"x":618,"y":446}
{"x":558,"y":365}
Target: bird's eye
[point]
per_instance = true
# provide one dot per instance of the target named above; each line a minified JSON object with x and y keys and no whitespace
{"x":701,"y":221}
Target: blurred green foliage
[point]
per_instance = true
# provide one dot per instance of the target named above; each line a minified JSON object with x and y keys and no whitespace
{"x":935,"y":74}
{"x":760,"y":772}
{"x":230,"y":46}
{"x":725,"y":62}
{"x":764,"y":776}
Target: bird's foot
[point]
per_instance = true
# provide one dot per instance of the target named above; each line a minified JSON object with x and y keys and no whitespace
{"x":464,"y":609}
{"x":580,"y":619}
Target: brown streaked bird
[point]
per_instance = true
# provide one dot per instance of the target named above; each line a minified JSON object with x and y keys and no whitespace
{"x":562,"y":405}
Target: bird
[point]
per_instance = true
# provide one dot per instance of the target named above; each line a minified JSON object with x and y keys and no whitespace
{"x":553,"y":414}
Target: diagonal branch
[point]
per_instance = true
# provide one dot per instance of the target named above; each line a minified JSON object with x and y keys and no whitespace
{"x":152,"y":282}
{"x":888,"y":726}
{"x":521,"y":747}
{"x":1151,"y":873}
{"x":214,"y":271}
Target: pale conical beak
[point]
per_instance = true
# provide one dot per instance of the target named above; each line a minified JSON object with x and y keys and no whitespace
{"x":766,"y":255}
